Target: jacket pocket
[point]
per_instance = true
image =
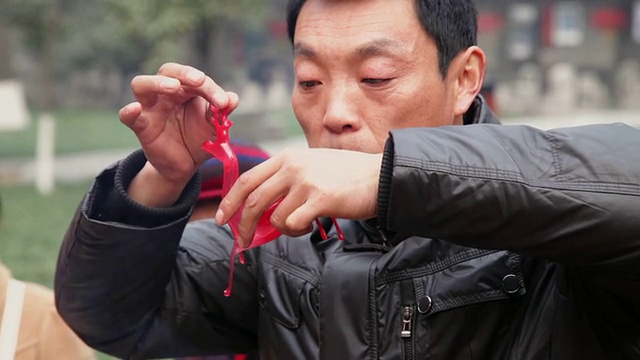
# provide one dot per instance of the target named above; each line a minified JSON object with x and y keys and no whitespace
{"x":282,"y":290}
{"x":439,"y":303}
{"x":492,"y":276}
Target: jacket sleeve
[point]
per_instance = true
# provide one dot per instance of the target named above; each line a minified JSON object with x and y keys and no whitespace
{"x":570,"y":195}
{"x":137,"y":282}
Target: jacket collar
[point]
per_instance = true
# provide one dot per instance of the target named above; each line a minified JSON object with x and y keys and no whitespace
{"x":480,"y":113}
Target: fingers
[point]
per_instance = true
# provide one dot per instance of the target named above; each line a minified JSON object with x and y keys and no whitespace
{"x":258,"y":189}
{"x":244,"y":186}
{"x":129,"y":114}
{"x":146,"y":88}
{"x":234,"y":101}
{"x":259,"y":208}
{"x":312,"y":183}
{"x":196,"y":82}
{"x":175,"y":78}
{"x":294,"y":216}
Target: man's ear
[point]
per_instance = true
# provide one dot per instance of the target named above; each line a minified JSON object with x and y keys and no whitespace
{"x":466,"y":74}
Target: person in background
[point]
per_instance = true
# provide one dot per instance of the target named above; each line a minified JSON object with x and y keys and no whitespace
{"x":211,"y":173}
{"x":31,"y":328}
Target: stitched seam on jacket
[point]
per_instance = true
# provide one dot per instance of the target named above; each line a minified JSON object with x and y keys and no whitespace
{"x":373,"y":318}
{"x":441,"y":304}
{"x":286,"y":267}
{"x":434,"y":267}
{"x":512,"y":176}
{"x":555,"y":152}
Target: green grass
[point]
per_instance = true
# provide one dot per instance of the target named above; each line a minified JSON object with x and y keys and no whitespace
{"x":32,"y":228}
{"x":76,"y":131}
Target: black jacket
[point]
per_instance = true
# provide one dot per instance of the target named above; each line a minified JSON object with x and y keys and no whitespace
{"x":492,"y":242}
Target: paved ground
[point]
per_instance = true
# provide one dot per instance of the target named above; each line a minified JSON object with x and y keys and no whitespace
{"x":80,"y":167}
{"x":582,"y":118}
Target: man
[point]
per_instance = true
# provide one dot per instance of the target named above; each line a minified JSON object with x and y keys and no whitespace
{"x":466,"y":242}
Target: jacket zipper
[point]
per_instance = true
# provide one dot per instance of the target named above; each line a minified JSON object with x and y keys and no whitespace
{"x":383,"y":236}
{"x":406,"y":333}
{"x":407,"y":294}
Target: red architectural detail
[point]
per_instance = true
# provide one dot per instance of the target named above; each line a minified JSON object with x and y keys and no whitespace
{"x":277,"y":28}
{"x":490,"y":21}
{"x":546,"y":25}
{"x":609,"y":19}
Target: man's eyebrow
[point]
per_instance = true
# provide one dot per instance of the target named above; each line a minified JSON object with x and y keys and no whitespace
{"x":300,"y":49}
{"x":380,"y":47}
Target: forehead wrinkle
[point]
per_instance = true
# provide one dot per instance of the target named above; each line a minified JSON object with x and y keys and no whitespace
{"x":383,"y":47}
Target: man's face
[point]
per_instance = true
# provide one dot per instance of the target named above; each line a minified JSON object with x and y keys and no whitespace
{"x":363,"y":68}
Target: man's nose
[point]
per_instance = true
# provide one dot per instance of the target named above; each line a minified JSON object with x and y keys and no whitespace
{"x":342,"y":113}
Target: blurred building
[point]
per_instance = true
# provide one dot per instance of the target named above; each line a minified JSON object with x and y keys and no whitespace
{"x":562,"y":54}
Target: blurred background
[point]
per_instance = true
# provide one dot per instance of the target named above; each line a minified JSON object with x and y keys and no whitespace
{"x":65,"y":68}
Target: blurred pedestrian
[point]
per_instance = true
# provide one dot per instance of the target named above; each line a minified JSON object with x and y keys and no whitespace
{"x":31,"y":328}
{"x":212,"y":172}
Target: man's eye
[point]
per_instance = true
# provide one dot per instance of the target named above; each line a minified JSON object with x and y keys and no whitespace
{"x":371,"y":81}
{"x":308,"y":84}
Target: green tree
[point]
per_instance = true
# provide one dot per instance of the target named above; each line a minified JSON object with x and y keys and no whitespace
{"x":5,"y":54}
{"x":156,"y":31}
{"x":131,"y":36}
{"x":39,"y":22}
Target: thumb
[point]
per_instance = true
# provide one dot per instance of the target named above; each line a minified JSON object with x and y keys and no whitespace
{"x":234,"y":101}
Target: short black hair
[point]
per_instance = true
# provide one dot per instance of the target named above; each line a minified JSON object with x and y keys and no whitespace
{"x":451,"y":23}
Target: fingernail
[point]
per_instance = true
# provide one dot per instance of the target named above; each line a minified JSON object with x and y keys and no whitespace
{"x":219,"y":217}
{"x":169,"y":83}
{"x":194,"y":75}
{"x":221,"y":99}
